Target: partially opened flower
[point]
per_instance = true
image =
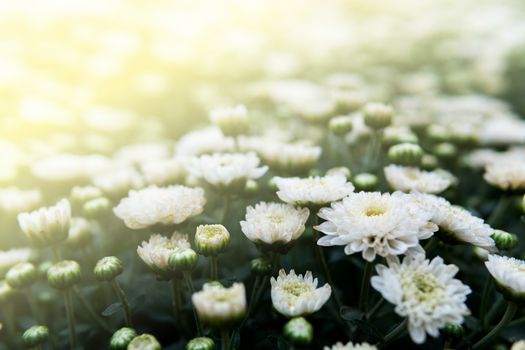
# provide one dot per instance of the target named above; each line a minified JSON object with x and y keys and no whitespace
{"x":48,"y":225}
{"x":227,"y":171}
{"x":295,"y":295}
{"x":157,"y":250}
{"x":220,"y":307}
{"x":350,"y":346}
{"x":506,"y":174}
{"x":160,"y":205}
{"x":407,"y":179}
{"x":425,"y":292}
{"x":509,"y":274}
{"x":274,"y":225}
{"x":313,"y":191}
{"x":375,"y":224}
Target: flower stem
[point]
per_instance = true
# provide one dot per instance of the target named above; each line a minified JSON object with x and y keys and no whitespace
{"x":123,"y":300}
{"x":365,"y":286}
{"x":226,"y":209}
{"x":499,"y":211}
{"x":55,"y":251}
{"x":505,"y":320}
{"x":375,"y":308}
{"x":70,"y":319}
{"x":33,"y":306}
{"x":92,"y":313}
{"x":395,"y":333}
{"x":214,"y":273}
{"x":225,"y":340}
{"x":484,"y":299}
{"x":189,"y":282}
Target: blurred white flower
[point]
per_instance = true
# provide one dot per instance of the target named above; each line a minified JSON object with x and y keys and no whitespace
{"x":407,"y":179}
{"x":47,"y":225}
{"x":375,"y":224}
{"x":157,"y":250}
{"x":79,"y":232}
{"x":502,"y":131}
{"x":11,"y":257}
{"x":14,"y":200}
{"x":67,"y":167}
{"x":274,"y":223}
{"x":232,"y":121}
{"x":227,"y":170}
{"x":350,"y":346}
{"x":142,"y":152}
{"x":81,"y":194}
{"x":509,"y":274}
{"x":204,"y":141}
{"x":425,"y":292}
{"x":160,"y":205}
{"x":313,"y":191}
{"x":164,"y":171}
{"x":519,"y":345}
{"x":117,"y":182}
{"x":294,"y":295}
{"x":506,"y":174}
{"x":219,"y":306}
{"x":455,"y":222}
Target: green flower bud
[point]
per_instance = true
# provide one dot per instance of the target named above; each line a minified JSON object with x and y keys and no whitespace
{"x":393,"y":136}
{"x":108,"y":268}
{"x":251,"y":187}
{"x":144,"y":342}
{"x":378,"y":115}
{"x":445,"y":151}
{"x":347,"y":101}
{"x":200,"y":343}
{"x":340,"y":170}
{"x":6,"y":292}
{"x":273,"y":187}
{"x":438,"y":133}
{"x":365,"y":182}
{"x":340,"y":125}
{"x":35,"y":336}
{"x":211,"y":239}
{"x":96,"y":208}
{"x":21,"y":275}
{"x":405,"y":154}
{"x":261,"y":267}
{"x":504,"y":240}
{"x":453,"y":331}
{"x":43,"y":267}
{"x":183,"y":260}
{"x":121,"y":338}
{"x":299,"y":331}
{"x":429,"y":162}
{"x":63,"y":274}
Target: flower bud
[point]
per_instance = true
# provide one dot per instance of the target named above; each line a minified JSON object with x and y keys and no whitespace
{"x":232,"y":121}
{"x":183,"y":260}
{"x":21,"y":275}
{"x":211,"y":239}
{"x":429,"y":162}
{"x":340,"y":125}
{"x":504,"y":240}
{"x":121,"y":338}
{"x":342,"y":170}
{"x":299,"y":331}
{"x":261,"y":267}
{"x":63,"y":274}
{"x":378,"y":115}
{"x":220,"y":307}
{"x":6,"y":292}
{"x":445,"y":151}
{"x":481,"y":253}
{"x":108,"y":268}
{"x":347,"y":101}
{"x":453,"y":331}
{"x":408,"y":154}
{"x":200,"y":343}
{"x":144,"y":342}
{"x":35,"y":336}
{"x":438,"y":133}
{"x":365,"y":182}
{"x":251,"y":187}
{"x":96,"y":208}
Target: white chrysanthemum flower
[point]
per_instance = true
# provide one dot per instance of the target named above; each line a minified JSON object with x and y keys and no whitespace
{"x":455,"y":222}
{"x":509,"y":274}
{"x":280,"y":156}
{"x":142,"y":152}
{"x":14,"y":200}
{"x":82,"y":194}
{"x":218,"y":306}
{"x":519,"y":345}
{"x":407,"y":179}
{"x":375,"y":224}
{"x":163,"y":172}
{"x":67,"y":167}
{"x":79,"y":232}
{"x":157,"y":250}
{"x":506,"y":174}
{"x":425,"y":292}
{"x":11,"y":257}
{"x":350,"y":346}
{"x":294,"y":295}
{"x":227,"y":169}
{"x":204,"y":141}
{"x":502,"y":131}
{"x":313,"y":191}
{"x":118,"y":182}
{"x":160,"y":205}
{"x":47,"y":225}
{"x":232,"y":121}
{"x":274,"y":223}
